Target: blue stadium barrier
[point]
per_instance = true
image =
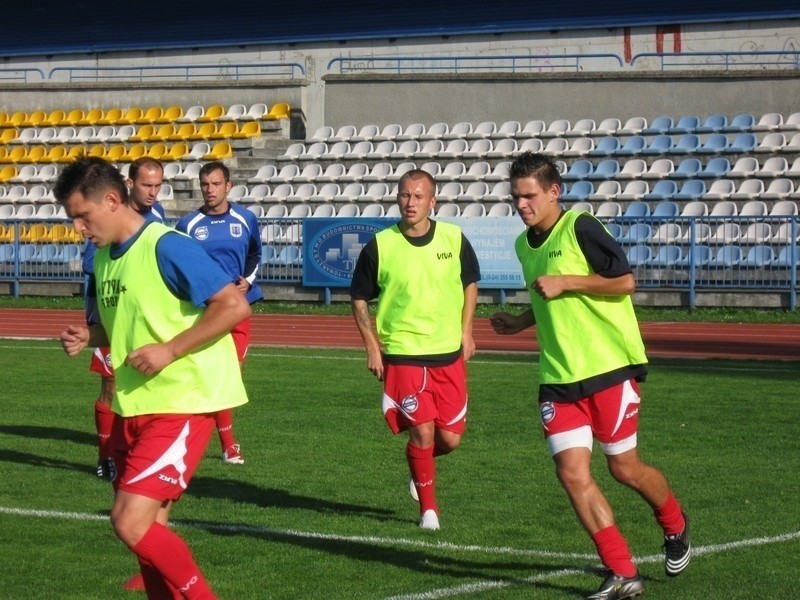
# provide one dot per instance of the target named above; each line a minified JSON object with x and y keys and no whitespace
{"x":221,"y":71}
{"x":725,"y":60}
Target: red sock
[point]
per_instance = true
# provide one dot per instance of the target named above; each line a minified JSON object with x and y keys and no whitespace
{"x":103,"y":420}
{"x":170,"y":556}
{"x":224,"y":420}
{"x":423,"y":472}
{"x":670,"y":516}
{"x":156,"y":587}
{"x":613,"y":551}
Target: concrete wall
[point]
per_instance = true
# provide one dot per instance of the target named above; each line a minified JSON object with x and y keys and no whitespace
{"x":361,"y":99}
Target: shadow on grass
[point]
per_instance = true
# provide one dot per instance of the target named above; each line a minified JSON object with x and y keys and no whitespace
{"x":50,"y":433}
{"x":246,"y":493}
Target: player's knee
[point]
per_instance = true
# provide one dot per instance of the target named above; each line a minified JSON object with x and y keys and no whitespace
{"x":627,"y":472}
{"x":573,"y":478}
{"x":447,"y":441}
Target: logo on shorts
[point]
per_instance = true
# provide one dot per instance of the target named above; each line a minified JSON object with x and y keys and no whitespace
{"x":410,"y":404}
{"x":107,"y":360}
{"x":201,"y":233}
{"x":548,"y":412}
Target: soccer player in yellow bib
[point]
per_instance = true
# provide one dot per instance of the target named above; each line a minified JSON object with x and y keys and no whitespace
{"x":425,"y":275}
{"x":591,"y":363}
{"x":166,"y":309}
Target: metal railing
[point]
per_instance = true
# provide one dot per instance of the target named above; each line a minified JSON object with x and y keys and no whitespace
{"x":702,"y":261}
{"x":222,"y":71}
{"x":486,"y":63}
{"x":727,"y":61}
{"x":22,"y":74}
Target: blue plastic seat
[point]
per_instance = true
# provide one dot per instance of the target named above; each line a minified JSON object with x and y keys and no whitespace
{"x":743,"y":143}
{"x":606,"y":146}
{"x":740,"y":123}
{"x":580,"y":169}
{"x":784,"y":259}
{"x":713,"y":124}
{"x":727,"y":256}
{"x":667,"y":256}
{"x":688,"y":143}
{"x":659,"y":125}
{"x":759,"y":256}
{"x":638,"y":233}
{"x":685,"y":124}
{"x":716,"y":168}
{"x":632,"y":146}
{"x":714,"y":144}
{"x":664,"y":189}
{"x":687,"y":169}
{"x":666,"y":209}
{"x":605,"y":169}
{"x":692,"y":189}
{"x":579,"y":191}
{"x":637,"y":210}
{"x":660,"y":144}
{"x":699,"y":256}
{"x":639,"y":255}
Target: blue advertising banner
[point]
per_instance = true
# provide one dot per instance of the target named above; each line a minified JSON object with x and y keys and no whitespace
{"x":331,"y":248}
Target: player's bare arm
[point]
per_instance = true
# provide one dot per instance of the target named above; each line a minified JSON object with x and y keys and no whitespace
{"x":467,"y":318}
{"x":552,"y":286}
{"x":373,"y":348}
{"x":507,"y":324}
{"x":223,"y":310}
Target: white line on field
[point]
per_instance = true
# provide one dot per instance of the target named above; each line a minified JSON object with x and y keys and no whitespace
{"x":482,"y":586}
{"x":471,"y":588}
{"x":757,"y":367}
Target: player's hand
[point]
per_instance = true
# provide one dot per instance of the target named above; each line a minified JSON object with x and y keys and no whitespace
{"x":150,"y":359}
{"x":467,"y":346}
{"x":375,"y":364}
{"x":505,"y":323}
{"x":549,"y":286}
{"x":242,"y":285}
{"x":74,"y":338}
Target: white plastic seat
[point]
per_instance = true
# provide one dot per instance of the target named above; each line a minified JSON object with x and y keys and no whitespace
{"x":405,"y":149}
{"x":369,"y":133}
{"x":336,"y":150}
{"x":293,"y":152}
{"x":448,"y":210}
{"x":754,"y":208}
{"x":433,"y":168}
{"x":721,"y":189}
{"x":455,"y":148}
{"x":557,"y":128}
{"x":725,"y":234}
{"x":778,"y":189}
{"x":756,"y":233}
{"x":484,"y":129}
{"x":373,"y":210}
{"x":401,"y":169}
{"x":580,"y":147}
{"x":608,"y":210}
{"x":350,"y":192}
{"x":299,"y":211}
{"x":355,"y":172}
{"x":667,"y":233}
{"x":430,"y":149}
{"x":435,"y":132}
{"x":503,"y":148}
{"x":659,"y":169}
{"x":531,"y":129}
{"x":582,"y":206}
{"x":332,"y":173}
{"x":478,"y":149}
{"x":500,"y":209}
{"x":45,"y":174}
{"x":308,"y":174}
{"x":473,"y":209}
{"x":325,"y":193}
{"x":349,"y":211}
{"x":276,"y":211}
{"x":414,"y":131}
{"x":774,"y":166}
{"x":536,"y":146}
{"x":782,"y":235}
{"x":768,"y":122}
{"x":343,"y":134}
{"x":382,"y":150}
{"x":697,"y":208}
{"x":632,"y":169}
{"x":263,"y":174}
{"x":286,"y":174}
{"x":555,"y":147}
{"x":749,"y":189}
{"x":634,"y":190}
{"x":256,"y":112}
{"x":314,"y":151}
{"x":477,"y":171}
{"x":772,"y":142}
{"x":606,"y":190}
{"x":608,"y":126}
{"x":189,"y":173}
{"x":280,"y":192}
{"x":321,"y":134}
{"x":25,"y":174}
{"x":499,"y":172}
{"x":745,"y":166}
{"x":302,"y":193}
{"x":234,"y":113}
{"x":324,"y":211}
{"x":724,"y":208}
{"x":500,"y":192}
{"x":450,"y":191}
{"x":359,"y":150}
{"x":784,"y":208}
{"x":474,"y":192}
{"x":453,"y":171}
{"x":458,"y":131}
{"x":507,"y":129}
{"x":633,"y":126}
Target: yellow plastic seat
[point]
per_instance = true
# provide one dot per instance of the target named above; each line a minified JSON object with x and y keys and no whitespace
{"x":134,"y":152}
{"x":70,"y":155}
{"x":130,"y":116}
{"x":34,"y":155}
{"x":143,"y":133}
{"x":203,"y":132}
{"x":54,"y":118}
{"x":35,"y":234}
{"x":176,"y":152}
{"x":58,"y":233}
{"x":111,"y":117}
{"x":183,"y":131}
{"x":97,"y":151}
{"x":8,"y":134}
{"x":163,"y":133}
{"x":91,"y":117}
{"x":15,"y":155}
{"x":150,"y":115}
{"x":170,"y":114}
{"x":225,"y":131}
{"x":6,"y":234}
{"x":248,"y":129}
{"x":213,"y":112}
{"x":4,"y":119}
{"x":157,"y":151}
{"x":115,"y":153}
{"x":16,"y":119}
{"x":34,"y":119}
{"x":72,"y":118}
{"x":7,"y":172}
{"x":219,"y":151}
{"x":281,"y":110}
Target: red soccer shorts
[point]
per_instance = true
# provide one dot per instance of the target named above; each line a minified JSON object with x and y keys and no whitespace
{"x":241,"y":338}
{"x":101,"y":362}
{"x":413,"y":395}
{"x":611,"y":416}
{"x":156,"y":455}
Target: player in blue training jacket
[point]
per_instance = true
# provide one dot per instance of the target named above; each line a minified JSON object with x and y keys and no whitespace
{"x":231,"y":236}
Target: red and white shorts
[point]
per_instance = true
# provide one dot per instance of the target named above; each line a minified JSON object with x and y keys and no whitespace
{"x":611,"y":416}
{"x":413,"y":395}
{"x":101,"y":362}
{"x":241,"y":338}
{"x":156,"y":455}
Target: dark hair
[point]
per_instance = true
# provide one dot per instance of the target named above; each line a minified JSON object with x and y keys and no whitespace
{"x":215,"y":166}
{"x":537,"y":166}
{"x":143,"y":163}
{"x":418,"y":174}
{"x":89,"y":176}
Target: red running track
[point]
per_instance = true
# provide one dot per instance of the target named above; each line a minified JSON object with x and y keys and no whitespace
{"x":680,"y":340}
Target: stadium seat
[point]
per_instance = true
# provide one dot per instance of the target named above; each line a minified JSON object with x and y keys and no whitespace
{"x":448,"y":210}
{"x":234,"y":113}
{"x":720,"y":189}
{"x":749,"y":189}
{"x":608,"y":210}
{"x":254,"y":195}
{"x":664,"y":189}
{"x":724,"y":208}
{"x":740,"y":123}
{"x":279,"y":193}
{"x":778,"y":189}
{"x":606,"y":190}
{"x":455,"y":148}
{"x":349,"y":211}
{"x":580,"y":146}
{"x":474,"y":209}
{"x":531,"y":129}
{"x":726,"y":257}
{"x":717,"y":167}
{"x":477,"y":171}
{"x":435,"y":132}
{"x":500,"y":209}
{"x":381,"y":150}
{"x":302,"y":193}
{"x":581,"y":206}
{"x":219,"y":151}
{"x":713,"y":124}
{"x":694,"y":209}
{"x":632,"y":169}
{"x":557,"y":128}
{"x":276,"y":211}
{"x":579,"y":192}
{"x":332,"y":173}
{"x":784,"y":208}
{"x":633,"y":146}
{"x":500,"y":192}
{"x":756,"y":233}
{"x":555,"y":147}
{"x":788,"y":257}
{"x":450,"y":191}
{"x":307,"y":174}
{"x":692,"y":189}
{"x":716,"y":143}
{"x":608,"y":126}
{"x":636,"y":210}
{"x":278,"y":111}
{"x":499,"y":172}
{"x":754,"y":208}
{"x":667,"y":233}
{"x":659,"y":145}
{"x":405,"y":149}
{"x":659,"y":169}
{"x":772,"y":142}
{"x":659,"y":126}
{"x":256,"y":112}
{"x":746,"y":166}
{"x":356,"y":172}
{"x":743,"y":143}
{"x":325,"y":193}
{"x":688,"y":168}
{"x":389,"y":174}
{"x":459,"y":130}
{"x":474,"y":192}
{"x":130,"y":116}
{"x":667,"y":256}
{"x":688,"y":143}
{"x":665,"y":209}
{"x":583,"y":127}
{"x":506,"y":130}
{"x":350,"y":193}
{"x":366,"y":133}
{"x":726,"y":233}
{"x":413,"y":131}
{"x":484,"y":129}
{"x":698,"y":255}
{"x":429,"y":149}
{"x":685,"y":124}
{"x":768,"y":122}
{"x":637,"y":233}
{"x":536,"y":146}
{"x":635,"y":189}
{"x":375,"y":211}
{"x":191,"y":114}
{"x":359,"y":150}
{"x":639,"y":255}
{"x":211,"y":114}
{"x":580,"y":169}
{"x":479,"y":149}
{"x":633,"y":126}
{"x":759,"y":256}
{"x":375,"y":192}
